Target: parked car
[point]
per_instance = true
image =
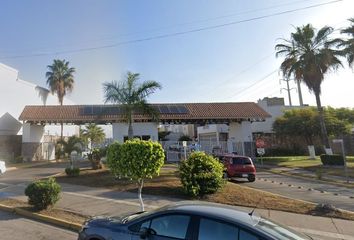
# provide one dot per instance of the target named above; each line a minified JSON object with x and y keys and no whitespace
{"x":2,"y":167}
{"x":238,"y":166}
{"x":188,"y":220}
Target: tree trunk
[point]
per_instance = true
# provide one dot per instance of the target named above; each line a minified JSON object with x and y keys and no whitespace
{"x":141,"y":184}
{"x":61,"y":130}
{"x":324,"y":135}
{"x":130,"y":130}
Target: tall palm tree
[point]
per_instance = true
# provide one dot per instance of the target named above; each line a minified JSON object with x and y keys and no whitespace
{"x":93,"y":133}
{"x":132,"y":97}
{"x":309,"y":56}
{"x":348,"y":44}
{"x":60,"y":79}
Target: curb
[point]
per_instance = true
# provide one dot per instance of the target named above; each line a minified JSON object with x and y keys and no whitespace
{"x":332,"y":182}
{"x":47,"y":219}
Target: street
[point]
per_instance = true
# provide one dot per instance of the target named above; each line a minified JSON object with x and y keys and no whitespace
{"x":14,"y":227}
{"x":304,"y":189}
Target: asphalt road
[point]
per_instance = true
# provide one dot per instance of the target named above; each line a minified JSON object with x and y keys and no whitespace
{"x":13,"y":227}
{"x":304,"y":189}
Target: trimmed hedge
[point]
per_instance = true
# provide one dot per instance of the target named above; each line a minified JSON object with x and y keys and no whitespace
{"x":335,"y":160}
{"x":201,"y":174}
{"x":72,"y":172}
{"x":43,"y":193}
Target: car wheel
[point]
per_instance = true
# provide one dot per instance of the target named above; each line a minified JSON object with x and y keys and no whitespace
{"x":251,"y":178}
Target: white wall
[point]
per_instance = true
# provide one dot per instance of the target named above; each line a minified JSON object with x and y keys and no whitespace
{"x":213,"y":128}
{"x":17,"y":93}
{"x":121,"y":129}
{"x":9,"y":125}
{"x":32,"y":133}
{"x":240,"y":132}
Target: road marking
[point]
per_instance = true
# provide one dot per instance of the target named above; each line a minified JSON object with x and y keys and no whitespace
{"x":324,"y":234}
{"x":109,"y":199}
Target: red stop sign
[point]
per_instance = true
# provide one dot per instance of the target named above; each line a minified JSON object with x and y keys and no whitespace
{"x":260,"y":143}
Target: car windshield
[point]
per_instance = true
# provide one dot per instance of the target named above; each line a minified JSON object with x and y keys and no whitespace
{"x":241,"y":160}
{"x":279,"y":232}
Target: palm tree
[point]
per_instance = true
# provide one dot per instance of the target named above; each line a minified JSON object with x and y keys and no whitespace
{"x":132,"y":97}
{"x":93,"y":133}
{"x":67,"y":147}
{"x":60,"y":79}
{"x":348,"y":44}
{"x":309,"y":57}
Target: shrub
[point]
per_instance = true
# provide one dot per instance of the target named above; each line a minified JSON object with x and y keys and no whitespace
{"x":95,"y":159}
{"x":332,"y":159}
{"x":72,"y":172}
{"x":184,"y":138}
{"x":136,"y":159}
{"x":201,"y":174}
{"x":43,"y":193}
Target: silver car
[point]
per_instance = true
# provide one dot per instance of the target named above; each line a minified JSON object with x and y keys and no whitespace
{"x":2,"y":167}
{"x":188,"y":220}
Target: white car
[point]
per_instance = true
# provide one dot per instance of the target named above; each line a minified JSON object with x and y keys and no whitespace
{"x":2,"y":167}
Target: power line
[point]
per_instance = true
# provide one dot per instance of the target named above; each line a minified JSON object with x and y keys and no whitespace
{"x":171,"y":34}
{"x":255,"y":83}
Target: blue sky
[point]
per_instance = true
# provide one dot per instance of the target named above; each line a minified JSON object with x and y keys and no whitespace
{"x":222,"y":64}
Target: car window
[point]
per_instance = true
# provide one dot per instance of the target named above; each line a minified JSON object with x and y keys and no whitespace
{"x":246,"y":161}
{"x":211,"y":230}
{"x":237,"y":160}
{"x":174,"y":226}
{"x":136,"y":227}
{"x":244,"y":235}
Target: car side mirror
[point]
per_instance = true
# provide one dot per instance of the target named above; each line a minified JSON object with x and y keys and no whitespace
{"x":145,"y":232}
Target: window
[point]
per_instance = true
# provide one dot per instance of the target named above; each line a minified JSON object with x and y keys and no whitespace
{"x":211,"y":230}
{"x":174,"y":226}
{"x":247,"y":236}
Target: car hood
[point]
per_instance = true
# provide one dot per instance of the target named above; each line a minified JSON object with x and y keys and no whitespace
{"x":101,"y":221}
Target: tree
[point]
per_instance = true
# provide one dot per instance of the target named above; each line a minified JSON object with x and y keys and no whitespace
{"x":73,"y":143}
{"x":93,"y":133}
{"x":136,"y":159}
{"x":60,"y":79}
{"x":304,"y":123}
{"x":348,"y":44}
{"x":132,"y":97}
{"x":309,"y":57}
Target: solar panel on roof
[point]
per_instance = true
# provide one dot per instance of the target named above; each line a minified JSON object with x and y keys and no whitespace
{"x":164,"y":109}
{"x":96,"y":110}
{"x":182,"y":109}
{"x":173,"y":109}
{"x":87,"y":110}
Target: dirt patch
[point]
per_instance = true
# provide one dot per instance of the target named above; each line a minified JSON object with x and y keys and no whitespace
{"x":169,"y":185}
{"x":53,"y":212}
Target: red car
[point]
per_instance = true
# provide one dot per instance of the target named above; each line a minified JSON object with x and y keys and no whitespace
{"x":238,"y":166}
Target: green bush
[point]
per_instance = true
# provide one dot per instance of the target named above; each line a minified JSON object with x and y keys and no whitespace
{"x":201,"y":174}
{"x":43,"y":193}
{"x":72,"y":172}
{"x":332,"y":159}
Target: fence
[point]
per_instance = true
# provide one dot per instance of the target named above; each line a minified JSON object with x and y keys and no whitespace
{"x":175,"y":151}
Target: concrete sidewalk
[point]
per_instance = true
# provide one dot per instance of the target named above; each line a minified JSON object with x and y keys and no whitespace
{"x":98,"y":201}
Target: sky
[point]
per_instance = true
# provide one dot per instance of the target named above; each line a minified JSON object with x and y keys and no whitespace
{"x":200,"y":51}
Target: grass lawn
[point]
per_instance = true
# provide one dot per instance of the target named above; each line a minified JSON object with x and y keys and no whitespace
{"x":310,"y":164}
{"x":168,"y":184}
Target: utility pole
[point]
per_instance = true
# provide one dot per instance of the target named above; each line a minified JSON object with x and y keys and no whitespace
{"x":299,"y":92}
{"x":288,"y":89}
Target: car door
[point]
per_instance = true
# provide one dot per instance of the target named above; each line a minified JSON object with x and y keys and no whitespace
{"x":168,"y":226}
{"x":211,"y":229}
